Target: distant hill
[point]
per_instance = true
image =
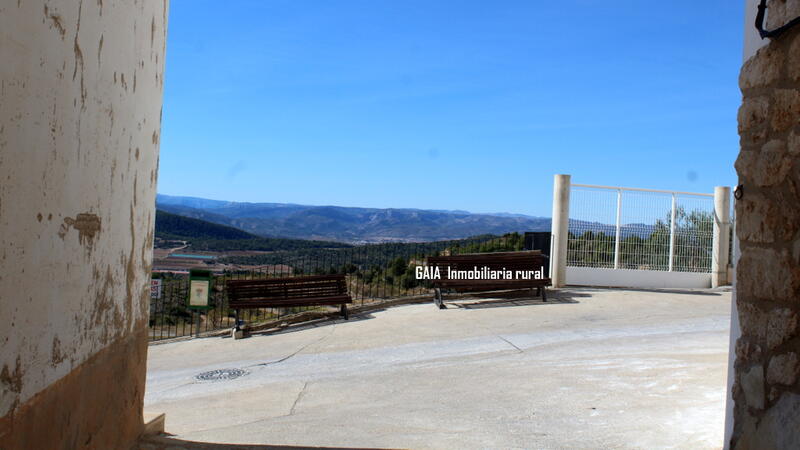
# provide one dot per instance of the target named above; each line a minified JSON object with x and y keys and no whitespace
{"x":204,"y":235}
{"x":174,"y":226}
{"x":348,"y":224}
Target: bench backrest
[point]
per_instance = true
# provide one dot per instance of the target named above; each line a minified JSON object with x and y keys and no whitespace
{"x":316,"y":286}
{"x":522,"y":260}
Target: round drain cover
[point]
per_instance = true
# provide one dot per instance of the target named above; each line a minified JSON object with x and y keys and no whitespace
{"x":221,"y":374}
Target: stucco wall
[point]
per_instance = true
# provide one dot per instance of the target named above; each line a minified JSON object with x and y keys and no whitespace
{"x":766,"y":388}
{"x":80,"y":110}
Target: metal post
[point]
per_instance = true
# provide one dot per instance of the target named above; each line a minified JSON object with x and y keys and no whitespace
{"x":672,"y":234}
{"x":197,"y":332}
{"x":560,"y":230}
{"x":721,"y":240}
{"x":617,"y":237}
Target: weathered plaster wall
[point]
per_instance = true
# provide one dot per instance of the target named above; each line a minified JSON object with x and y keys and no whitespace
{"x":80,"y":111}
{"x":766,"y":389}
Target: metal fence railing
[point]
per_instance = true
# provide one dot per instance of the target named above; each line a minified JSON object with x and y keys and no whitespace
{"x":375,"y":273}
{"x":624,"y":228}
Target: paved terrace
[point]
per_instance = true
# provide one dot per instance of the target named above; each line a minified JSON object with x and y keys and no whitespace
{"x":593,"y":368}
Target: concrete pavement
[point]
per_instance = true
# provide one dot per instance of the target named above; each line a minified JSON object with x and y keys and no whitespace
{"x":593,"y":368}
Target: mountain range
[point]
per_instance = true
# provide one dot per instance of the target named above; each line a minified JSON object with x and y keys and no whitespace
{"x":348,"y":224}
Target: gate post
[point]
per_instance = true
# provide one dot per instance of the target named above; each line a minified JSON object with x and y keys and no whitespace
{"x":672,"y":234}
{"x":617,"y":237}
{"x":559,"y":229}
{"x":721,"y":239}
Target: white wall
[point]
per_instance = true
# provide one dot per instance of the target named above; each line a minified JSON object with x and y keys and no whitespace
{"x":752,"y":41}
{"x":80,"y":111}
{"x":591,"y":276}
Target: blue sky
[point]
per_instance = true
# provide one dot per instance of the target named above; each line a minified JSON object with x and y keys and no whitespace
{"x":430,"y":104}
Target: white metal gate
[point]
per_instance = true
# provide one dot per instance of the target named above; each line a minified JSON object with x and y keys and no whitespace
{"x":632,"y":237}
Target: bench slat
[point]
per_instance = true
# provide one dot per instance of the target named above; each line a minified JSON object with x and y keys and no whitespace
{"x":282,"y":292}
{"x":279,"y":303}
{"x":513,"y":261}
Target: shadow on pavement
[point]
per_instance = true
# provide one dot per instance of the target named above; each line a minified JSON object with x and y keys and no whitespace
{"x":496,"y":299}
{"x":688,"y":291}
{"x":515,"y":298}
{"x":315,"y":323}
{"x":166,"y":442}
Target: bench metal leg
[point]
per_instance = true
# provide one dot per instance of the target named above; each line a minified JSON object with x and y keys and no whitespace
{"x":544,"y":294}
{"x":237,"y":332}
{"x":344,"y":311}
{"x":437,"y":298}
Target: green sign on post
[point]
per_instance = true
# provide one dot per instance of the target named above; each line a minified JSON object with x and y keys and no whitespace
{"x":199,"y":288}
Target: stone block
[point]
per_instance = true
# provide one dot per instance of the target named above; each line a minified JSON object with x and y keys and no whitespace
{"x":774,"y":394}
{"x":793,"y":182}
{"x":768,"y":167}
{"x":785,"y":109}
{"x":763,"y":68}
{"x":783,"y":369}
{"x":778,"y":427}
{"x":753,"y":113}
{"x":763,"y":220}
{"x":766,"y":274}
{"x":752,"y":383}
{"x":781,"y":12}
{"x":782,"y":325}
{"x":793,"y":144}
{"x":796,"y":252}
{"x":752,"y":321}
{"x":746,"y":351}
{"x":793,"y":61}
{"x":746,"y":430}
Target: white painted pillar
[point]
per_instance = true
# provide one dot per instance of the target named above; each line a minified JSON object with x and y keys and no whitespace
{"x":559,"y":230}
{"x":672,"y":233}
{"x":721,"y":240}
{"x":617,"y":237}
{"x":80,"y":123}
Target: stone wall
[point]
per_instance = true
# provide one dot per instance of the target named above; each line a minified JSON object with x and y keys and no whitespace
{"x":766,"y":390}
{"x":80,"y":111}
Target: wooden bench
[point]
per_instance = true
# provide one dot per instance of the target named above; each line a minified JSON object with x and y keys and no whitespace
{"x":288,"y":292}
{"x":532,"y":260}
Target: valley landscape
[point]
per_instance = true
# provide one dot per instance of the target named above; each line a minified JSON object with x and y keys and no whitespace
{"x":350,"y":225}
{"x":228,"y":235}
{"x":280,"y":237}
